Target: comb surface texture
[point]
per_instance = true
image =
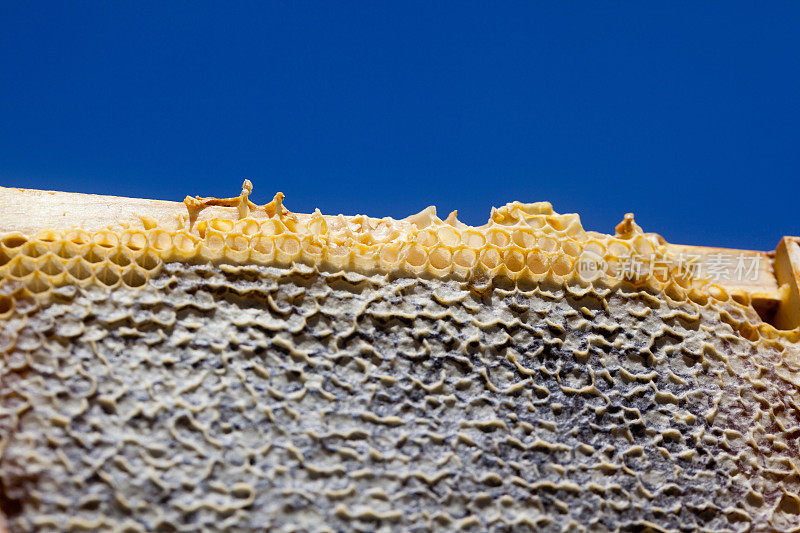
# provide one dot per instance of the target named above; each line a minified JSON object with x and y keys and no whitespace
{"x":230,"y":366}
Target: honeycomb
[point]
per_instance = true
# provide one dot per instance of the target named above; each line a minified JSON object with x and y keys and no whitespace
{"x":298,"y":372}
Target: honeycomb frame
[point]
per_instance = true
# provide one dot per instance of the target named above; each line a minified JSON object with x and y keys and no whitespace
{"x":501,"y":295}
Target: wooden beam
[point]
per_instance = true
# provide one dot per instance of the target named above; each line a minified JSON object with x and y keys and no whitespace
{"x":787,"y":274}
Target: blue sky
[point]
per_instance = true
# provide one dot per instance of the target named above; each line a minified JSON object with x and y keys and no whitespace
{"x":685,"y":113}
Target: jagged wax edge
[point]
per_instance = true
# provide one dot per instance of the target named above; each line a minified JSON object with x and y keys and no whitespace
{"x":523,"y":244}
